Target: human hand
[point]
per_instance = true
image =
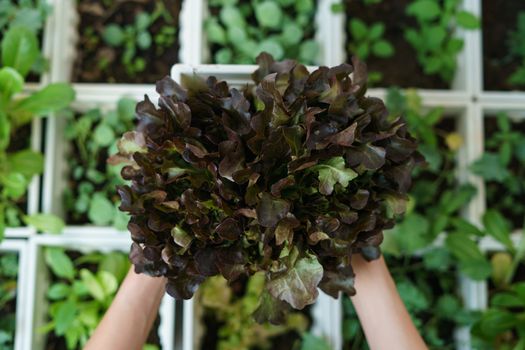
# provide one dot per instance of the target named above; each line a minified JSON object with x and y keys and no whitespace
{"x":383,"y":316}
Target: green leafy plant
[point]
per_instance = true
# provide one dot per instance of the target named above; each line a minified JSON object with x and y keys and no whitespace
{"x":245,"y":28}
{"x":82,"y":288}
{"x":17,"y":167}
{"x":368,"y":40}
{"x":137,"y":37}
{"x":501,"y":325}
{"x":8,"y":292}
{"x":435,"y":197}
{"x":289,"y":177}
{"x":93,"y":136}
{"x":29,"y":14}
{"x":502,"y":166}
{"x":435,"y":39}
{"x":231,"y":307}
{"x":516,"y":45}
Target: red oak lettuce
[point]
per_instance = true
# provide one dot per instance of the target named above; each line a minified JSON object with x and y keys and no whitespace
{"x":290,"y":175}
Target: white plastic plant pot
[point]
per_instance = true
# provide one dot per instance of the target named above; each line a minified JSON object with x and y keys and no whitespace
{"x":38,"y":282}
{"x":57,"y":147}
{"x":65,"y":53}
{"x":462,"y":80}
{"x":20,"y":248}
{"x":195,"y":49}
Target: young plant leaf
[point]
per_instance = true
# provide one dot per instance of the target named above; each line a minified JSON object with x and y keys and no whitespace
{"x":59,"y":263}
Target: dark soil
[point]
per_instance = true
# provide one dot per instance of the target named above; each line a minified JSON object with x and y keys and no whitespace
{"x":285,"y":341}
{"x":512,"y":206}
{"x":403,"y":68}
{"x":498,"y":20}
{"x":54,"y":342}
{"x":92,"y":49}
{"x":20,"y":139}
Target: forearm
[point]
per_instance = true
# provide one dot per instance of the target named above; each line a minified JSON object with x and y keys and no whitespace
{"x":127,"y":322}
{"x":383,"y":316}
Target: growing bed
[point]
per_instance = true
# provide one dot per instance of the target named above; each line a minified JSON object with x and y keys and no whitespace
{"x":473,"y":98}
{"x":119,"y":41}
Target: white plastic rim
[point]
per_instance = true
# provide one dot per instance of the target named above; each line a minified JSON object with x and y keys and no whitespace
{"x":194,"y":48}
{"x":65,"y":37}
{"x":38,"y":283}
{"x":19,"y":247}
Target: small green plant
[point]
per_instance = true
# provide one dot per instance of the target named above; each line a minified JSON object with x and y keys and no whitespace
{"x":8,"y":287}
{"x":30,"y":14}
{"x":245,"y":28}
{"x":135,"y":37}
{"x":19,"y":166}
{"x":367,"y":40}
{"x":501,"y":325}
{"x":93,"y":136}
{"x":81,"y":291}
{"x":502,"y":166}
{"x":435,"y":39}
{"x":516,"y":45}
{"x":238,"y":330}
